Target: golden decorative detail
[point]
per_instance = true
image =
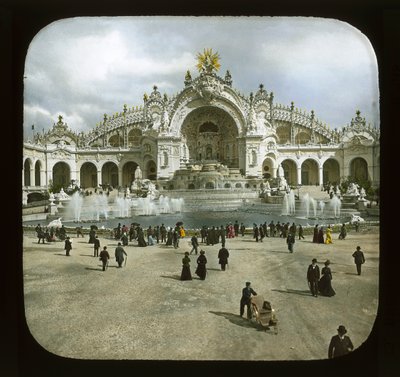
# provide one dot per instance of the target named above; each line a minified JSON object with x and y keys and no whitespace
{"x":208,"y":61}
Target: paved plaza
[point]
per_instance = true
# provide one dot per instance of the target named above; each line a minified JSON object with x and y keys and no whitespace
{"x":143,"y":310}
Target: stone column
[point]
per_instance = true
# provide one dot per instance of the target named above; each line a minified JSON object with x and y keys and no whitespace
{"x":32,"y":175}
{"x":299,"y":175}
{"x":99,"y":182}
{"x":119,"y":176}
{"x":320,"y":175}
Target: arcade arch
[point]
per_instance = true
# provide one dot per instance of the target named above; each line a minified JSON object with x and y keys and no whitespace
{"x":61,"y":174}
{"x":309,"y":172}
{"x":109,"y":174}
{"x":267,"y":168}
{"x":151,"y":170}
{"x":290,"y":172}
{"x":88,"y":175}
{"x":359,"y":169}
{"x":38,"y":167}
{"x":128,"y":173}
{"x":116,"y":141}
{"x":27,"y":172}
{"x":331,"y":171}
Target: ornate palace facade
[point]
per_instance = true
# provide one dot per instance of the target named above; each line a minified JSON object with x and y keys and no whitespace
{"x":208,"y":127}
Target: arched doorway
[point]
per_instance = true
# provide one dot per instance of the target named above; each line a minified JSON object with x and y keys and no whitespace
{"x":359,"y":169}
{"x":88,"y":175}
{"x":267,"y":167}
{"x":331,"y":172}
{"x":211,"y":134}
{"x":27,"y":172}
{"x":290,"y":172}
{"x":109,"y":174}
{"x":309,"y":173}
{"x":128,"y":173}
{"x":38,"y":165}
{"x":61,"y":175}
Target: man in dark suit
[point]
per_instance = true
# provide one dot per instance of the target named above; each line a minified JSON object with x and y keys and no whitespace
{"x":96,"y":246}
{"x":340,"y":344}
{"x":247,"y":291}
{"x":359,"y":259}
{"x":313,"y":275}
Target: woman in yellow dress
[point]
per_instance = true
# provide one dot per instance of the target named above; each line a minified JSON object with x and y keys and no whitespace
{"x":328,"y":238}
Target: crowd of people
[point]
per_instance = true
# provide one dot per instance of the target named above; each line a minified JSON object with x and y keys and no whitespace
{"x":319,"y":281}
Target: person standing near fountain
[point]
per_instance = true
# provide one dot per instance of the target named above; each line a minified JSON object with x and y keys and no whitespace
{"x":328,"y":239}
{"x":242,"y":229}
{"x":313,"y":276}
{"x":186,"y":274}
{"x":245,"y":300}
{"x":201,"y":270}
{"x":359,"y":259}
{"x":119,"y":254}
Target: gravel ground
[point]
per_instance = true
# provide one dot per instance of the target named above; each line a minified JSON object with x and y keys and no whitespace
{"x":143,"y":311}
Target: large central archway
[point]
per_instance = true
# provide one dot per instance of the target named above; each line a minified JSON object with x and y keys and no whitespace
{"x":211,"y":135}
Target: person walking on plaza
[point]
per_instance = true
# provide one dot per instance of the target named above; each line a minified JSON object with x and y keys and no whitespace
{"x":40,"y":234}
{"x":223,"y":255}
{"x":195,"y":244}
{"x":242,"y":229}
{"x":96,"y":246}
{"x":340,"y":344}
{"x":343,"y":232}
{"x":186,"y":274}
{"x":315,"y":234}
{"x":325,"y":283}
{"x":79,"y":232}
{"x":313,"y":276}
{"x":235,"y":228}
{"x":359,"y":259}
{"x":67,"y":246}
{"x":104,"y":257}
{"x":119,"y":254}
{"x":328,"y":239}
{"x":222,"y":234}
{"x":301,"y":235}
{"x":201,"y":270}
{"x":321,"y":235}
{"x":245,"y":300}
{"x":290,"y":240}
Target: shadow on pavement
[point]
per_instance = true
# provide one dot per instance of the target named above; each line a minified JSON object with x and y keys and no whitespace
{"x":87,"y":255}
{"x":295,"y":291}
{"x":94,"y":269}
{"x":174,"y":277}
{"x":236,"y":319}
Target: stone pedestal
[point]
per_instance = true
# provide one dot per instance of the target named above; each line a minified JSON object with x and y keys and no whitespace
{"x":362,"y":204}
{"x":53,"y":210}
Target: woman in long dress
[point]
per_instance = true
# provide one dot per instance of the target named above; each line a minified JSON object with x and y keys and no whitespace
{"x":315,"y":235}
{"x":324,"y":284}
{"x":186,"y":274}
{"x":328,"y":235}
{"x":321,"y":235}
{"x":201,"y":270}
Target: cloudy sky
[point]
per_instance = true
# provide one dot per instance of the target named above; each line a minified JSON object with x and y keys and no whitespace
{"x":84,"y":67}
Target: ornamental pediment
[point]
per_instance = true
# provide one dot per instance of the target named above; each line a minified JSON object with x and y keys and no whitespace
{"x":61,"y":154}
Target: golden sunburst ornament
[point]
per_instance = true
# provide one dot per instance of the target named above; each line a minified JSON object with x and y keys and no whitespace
{"x":208,"y":61}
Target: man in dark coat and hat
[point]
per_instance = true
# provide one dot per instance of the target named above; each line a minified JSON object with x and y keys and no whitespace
{"x":359,"y":259}
{"x":104,"y":257}
{"x":340,"y":344}
{"x":223,"y":255}
{"x":245,"y":300}
{"x":119,"y":254}
{"x":313,"y":276}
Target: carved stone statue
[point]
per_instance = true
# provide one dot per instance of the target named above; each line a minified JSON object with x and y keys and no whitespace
{"x":138,"y":173}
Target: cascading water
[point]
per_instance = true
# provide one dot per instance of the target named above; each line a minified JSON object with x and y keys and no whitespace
{"x":288,"y":204}
{"x":309,"y":204}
